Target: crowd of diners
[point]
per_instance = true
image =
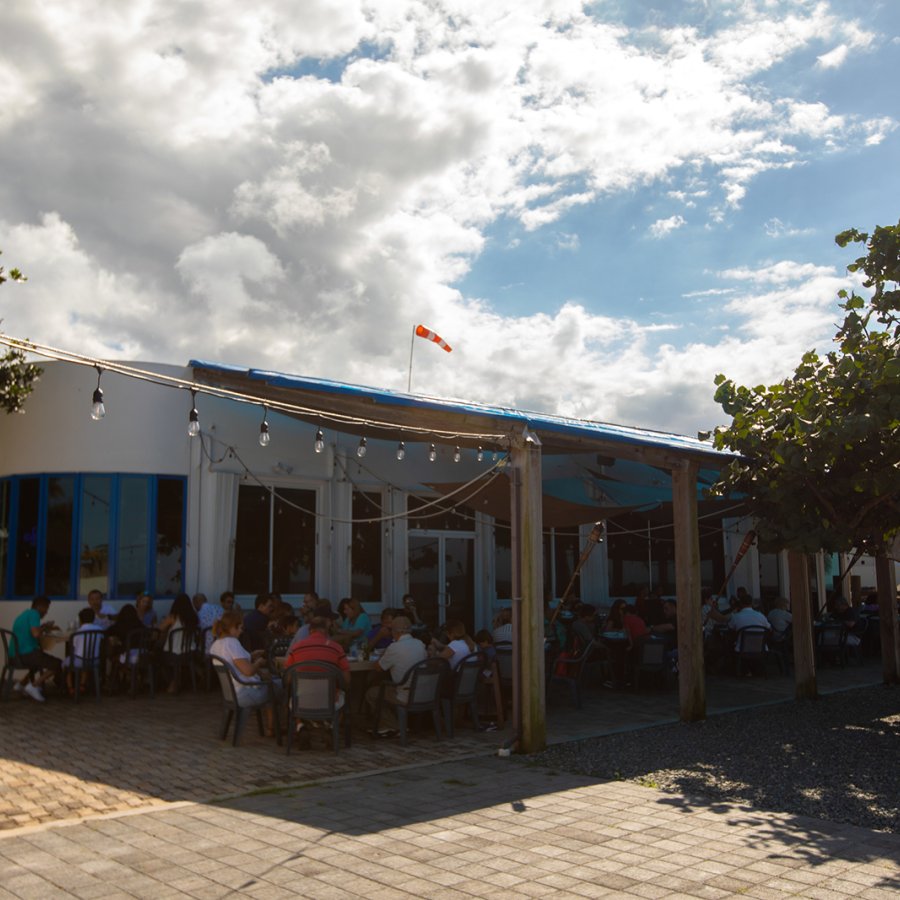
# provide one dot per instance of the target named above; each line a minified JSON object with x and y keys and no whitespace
{"x":399,"y":637}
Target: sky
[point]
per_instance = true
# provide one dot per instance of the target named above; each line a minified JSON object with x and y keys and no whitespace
{"x":599,"y":206}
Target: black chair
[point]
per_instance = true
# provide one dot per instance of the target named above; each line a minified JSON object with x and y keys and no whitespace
{"x":312,"y":696}
{"x":88,"y":655}
{"x":505,"y":663}
{"x":237,"y":710}
{"x":278,"y":649}
{"x":179,"y":652}
{"x":464,"y":683}
{"x":651,"y":659}
{"x":831,"y":643}
{"x":201,"y":652}
{"x":569,"y":672}
{"x":426,"y":681}
{"x":11,"y":662}
{"x":750,"y":648}
{"x":140,"y":658}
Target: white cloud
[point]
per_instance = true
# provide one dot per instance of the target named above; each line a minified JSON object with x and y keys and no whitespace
{"x":833,"y":59}
{"x":245,"y":184}
{"x":662,"y":227}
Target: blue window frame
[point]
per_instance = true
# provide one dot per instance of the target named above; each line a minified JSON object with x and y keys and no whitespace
{"x":65,"y":534}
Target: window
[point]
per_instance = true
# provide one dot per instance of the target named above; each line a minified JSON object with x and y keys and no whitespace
{"x":65,"y":535}
{"x":365,"y":552}
{"x":275,"y":543}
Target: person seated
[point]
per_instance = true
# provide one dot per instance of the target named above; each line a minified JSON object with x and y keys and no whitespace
{"x":181,"y":616}
{"x":502,"y":630}
{"x":779,"y":616}
{"x":250,"y":666}
{"x":143,"y":604}
{"x":459,"y":644}
{"x":397,"y":659}
{"x":584,"y":627}
{"x":745,"y":616}
{"x":104,"y":613}
{"x":256,"y":634}
{"x":127,"y":621}
{"x":76,"y":661}
{"x":849,"y":618}
{"x":28,"y":629}
{"x":318,"y":646}
{"x":484,"y":641}
{"x":227,"y":602}
{"x":668,"y":626}
{"x":379,"y":636}
{"x":354,"y":624}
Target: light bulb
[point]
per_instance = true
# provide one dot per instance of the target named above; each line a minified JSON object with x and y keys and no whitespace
{"x":264,"y":436}
{"x":401,"y":451}
{"x":98,"y":410}
{"x":320,"y":441}
{"x":479,"y":455}
{"x":457,"y":456}
{"x":194,"y":423}
{"x":432,"y":453}
{"x":361,"y":449}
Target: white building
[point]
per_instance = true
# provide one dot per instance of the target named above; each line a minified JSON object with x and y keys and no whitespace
{"x":131,"y":502}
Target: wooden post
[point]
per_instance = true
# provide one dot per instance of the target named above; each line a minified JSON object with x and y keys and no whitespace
{"x":526,"y":456}
{"x":691,"y":676}
{"x":804,"y":652}
{"x":887,"y":614}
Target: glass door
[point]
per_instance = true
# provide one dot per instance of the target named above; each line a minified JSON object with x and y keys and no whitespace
{"x":442,"y":576}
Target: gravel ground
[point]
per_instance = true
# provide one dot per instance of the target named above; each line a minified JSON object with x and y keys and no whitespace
{"x":837,"y":758}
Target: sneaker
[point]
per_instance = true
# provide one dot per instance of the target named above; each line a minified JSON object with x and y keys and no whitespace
{"x":18,"y":687}
{"x":385,"y":732}
{"x":34,"y":692}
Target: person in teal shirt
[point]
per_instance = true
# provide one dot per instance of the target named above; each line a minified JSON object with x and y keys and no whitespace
{"x":41,"y":666}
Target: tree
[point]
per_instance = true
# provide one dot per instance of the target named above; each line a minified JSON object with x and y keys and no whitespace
{"x":820,"y":451}
{"x":819,"y":458}
{"x":17,"y":376}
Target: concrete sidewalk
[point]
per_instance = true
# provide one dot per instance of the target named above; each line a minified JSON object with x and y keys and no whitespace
{"x":475,"y":828}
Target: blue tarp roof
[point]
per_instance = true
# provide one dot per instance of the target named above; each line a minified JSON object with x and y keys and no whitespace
{"x":538,"y":422}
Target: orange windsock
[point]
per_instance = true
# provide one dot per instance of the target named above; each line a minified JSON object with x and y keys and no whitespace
{"x":429,"y":335}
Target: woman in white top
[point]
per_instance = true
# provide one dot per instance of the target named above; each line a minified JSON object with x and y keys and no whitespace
{"x":228,"y":646}
{"x":459,"y":645}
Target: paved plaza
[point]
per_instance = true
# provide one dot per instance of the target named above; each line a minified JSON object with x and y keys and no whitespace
{"x":138,"y":797}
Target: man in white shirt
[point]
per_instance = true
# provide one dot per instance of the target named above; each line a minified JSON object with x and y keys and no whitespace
{"x":397,"y":659}
{"x":746,"y":617}
{"x":503,"y":631}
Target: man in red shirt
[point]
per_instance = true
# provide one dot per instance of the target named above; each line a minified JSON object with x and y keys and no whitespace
{"x":318,"y":647}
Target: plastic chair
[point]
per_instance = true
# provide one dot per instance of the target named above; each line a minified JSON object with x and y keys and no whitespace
{"x":426,"y":681}
{"x":233,"y":708}
{"x":312,"y":695}
{"x":750,"y":647}
{"x":781,"y":647}
{"x":140,"y":644}
{"x":88,"y":655}
{"x":179,"y":651}
{"x":569,"y":671}
{"x":505,"y":663}
{"x":651,"y":660}
{"x":11,"y":662}
{"x":831,"y":643}
{"x":465,"y":679}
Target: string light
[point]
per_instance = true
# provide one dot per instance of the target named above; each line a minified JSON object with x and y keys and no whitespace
{"x":479,"y":455}
{"x":264,"y":436}
{"x":98,"y":410}
{"x":361,"y":449}
{"x":401,"y":451}
{"x":432,"y":453}
{"x":320,"y":440}
{"x":194,"y":417}
{"x":457,"y":455}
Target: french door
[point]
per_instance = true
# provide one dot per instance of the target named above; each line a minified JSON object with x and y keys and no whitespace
{"x":442,"y":576}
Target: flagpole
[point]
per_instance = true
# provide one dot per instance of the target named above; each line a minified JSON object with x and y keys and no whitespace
{"x":412,"y":343}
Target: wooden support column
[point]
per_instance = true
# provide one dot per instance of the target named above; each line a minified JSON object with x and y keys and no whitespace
{"x":529,"y":638}
{"x":804,"y":652}
{"x":887,"y":614}
{"x":691,"y":676}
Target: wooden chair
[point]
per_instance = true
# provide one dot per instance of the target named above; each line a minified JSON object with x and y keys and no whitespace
{"x":312,"y":696}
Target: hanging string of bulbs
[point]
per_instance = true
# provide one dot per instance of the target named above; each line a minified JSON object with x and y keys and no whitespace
{"x":98,"y":405}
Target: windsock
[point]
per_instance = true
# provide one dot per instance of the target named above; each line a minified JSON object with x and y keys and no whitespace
{"x":429,"y":335}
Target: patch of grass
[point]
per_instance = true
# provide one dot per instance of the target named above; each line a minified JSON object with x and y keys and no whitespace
{"x":647,"y":782}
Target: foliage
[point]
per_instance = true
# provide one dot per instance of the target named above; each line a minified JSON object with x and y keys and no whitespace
{"x":17,"y":377}
{"x":820,"y":452}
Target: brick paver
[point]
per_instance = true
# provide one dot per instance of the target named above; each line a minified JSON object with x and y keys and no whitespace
{"x":482,"y":827}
